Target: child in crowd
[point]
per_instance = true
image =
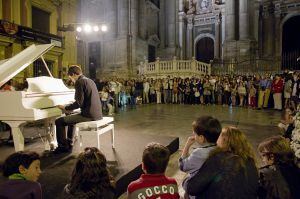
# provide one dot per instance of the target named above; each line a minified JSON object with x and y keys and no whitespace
{"x":230,"y":170}
{"x":233,"y":95}
{"x":206,"y":131}
{"x":111,"y":103}
{"x":104,"y":98}
{"x":280,"y":177}
{"x":252,"y":96}
{"x":23,"y":170}
{"x":286,"y":122}
{"x":90,"y":177}
{"x":154,"y":183}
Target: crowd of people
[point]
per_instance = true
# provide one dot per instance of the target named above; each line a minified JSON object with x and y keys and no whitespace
{"x":223,"y":166}
{"x":256,"y":91}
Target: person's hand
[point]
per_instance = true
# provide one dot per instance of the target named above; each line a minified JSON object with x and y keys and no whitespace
{"x":61,"y":107}
{"x":191,"y":140}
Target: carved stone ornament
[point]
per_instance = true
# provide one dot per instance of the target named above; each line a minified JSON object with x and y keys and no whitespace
{"x":154,"y":40}
{"x":192,"y":7}
{"x":204,"y":6}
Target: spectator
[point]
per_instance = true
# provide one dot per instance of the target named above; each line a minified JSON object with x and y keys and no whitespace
{"x":252,"y":96}
{"x":287,"y":91}
{"x":158,"y":89}
{"x":280,"y":177}
{"x":206,"y":131}
{"x":90,"y":177}
{"x":146,"y":88}
{"x":286,"y":124}
{"x":229,"y":172}
{"x":295,"y":92}
{"x":7,"y":86}
{"x":154,"y":183}
{"x":277,"y":88}
{"x":242,"y":93}
{"x":23,"y":170}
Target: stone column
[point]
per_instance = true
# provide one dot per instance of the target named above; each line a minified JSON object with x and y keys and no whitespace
{"x":181,"y":34}
{"x":122,"y":18}
{"x":222,"y":37}
{"x":277,"y":53}
{"x":189,"y":37}
{"x":171,"y":22}
{"x":268,"y":33}
{"x":230,"y":19}
{"x":218,"y":41}
{"x":243,"y":20}
{"x":277,"y":32}
{"x":142,"y":20}
{"x":162,"y":22}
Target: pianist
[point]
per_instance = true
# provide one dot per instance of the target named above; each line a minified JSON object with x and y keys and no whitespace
{"x":87,"y":99}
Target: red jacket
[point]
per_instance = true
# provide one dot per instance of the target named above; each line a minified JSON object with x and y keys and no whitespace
{"x":277,"y":88}
{"x":152,"y":186}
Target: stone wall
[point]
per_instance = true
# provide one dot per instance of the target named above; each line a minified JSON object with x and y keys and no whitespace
{"x":20,"y":12}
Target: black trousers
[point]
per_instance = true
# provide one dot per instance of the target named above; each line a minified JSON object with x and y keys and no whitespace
{"x":65,"y":138}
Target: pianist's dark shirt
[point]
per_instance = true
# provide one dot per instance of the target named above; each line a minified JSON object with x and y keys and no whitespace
{"x":86,"y":98}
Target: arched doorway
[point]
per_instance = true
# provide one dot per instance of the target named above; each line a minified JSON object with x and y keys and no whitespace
{"x":205,"y":49}
{"x":291,"y":44}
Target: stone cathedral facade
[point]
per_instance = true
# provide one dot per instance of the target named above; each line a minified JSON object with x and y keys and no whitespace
{"x":241,"y":35}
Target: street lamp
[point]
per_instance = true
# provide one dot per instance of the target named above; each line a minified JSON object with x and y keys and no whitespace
{"x":104,"y":28}
{"x":84,"y":27}
{"x":88,"y":28}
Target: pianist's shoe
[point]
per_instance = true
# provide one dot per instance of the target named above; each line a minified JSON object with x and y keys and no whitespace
{"x":60,"y":150}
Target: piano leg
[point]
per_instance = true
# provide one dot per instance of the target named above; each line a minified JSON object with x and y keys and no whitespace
{"x":17,"y":134}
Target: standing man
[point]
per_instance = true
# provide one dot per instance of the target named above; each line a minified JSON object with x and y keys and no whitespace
{"x":87,"y":99}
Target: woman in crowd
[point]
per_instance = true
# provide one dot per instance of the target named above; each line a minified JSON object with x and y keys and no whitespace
{"x":280,"y":177}
{"x":287,"y":91}
{"x":229,"y":172}
{"x":207,"y":92}
{"x":242,"y":93}
{"x":90,"y":178}
{"x":277,"y":88}
{"x":23,"y":170}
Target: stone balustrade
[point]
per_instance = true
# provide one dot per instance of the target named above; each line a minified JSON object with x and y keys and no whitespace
{"x":174,"y":68}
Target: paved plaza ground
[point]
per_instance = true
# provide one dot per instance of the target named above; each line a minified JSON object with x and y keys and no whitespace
{"x":172,"y":120}
{"x":176,"y":120}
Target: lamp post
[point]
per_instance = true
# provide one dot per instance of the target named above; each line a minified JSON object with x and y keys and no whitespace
{"x":87,"y":33}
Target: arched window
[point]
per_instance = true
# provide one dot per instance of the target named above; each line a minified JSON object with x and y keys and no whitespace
{"x":155,"y":2}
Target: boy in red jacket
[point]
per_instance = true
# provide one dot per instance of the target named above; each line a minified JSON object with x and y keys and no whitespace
{"x":154,"y":184}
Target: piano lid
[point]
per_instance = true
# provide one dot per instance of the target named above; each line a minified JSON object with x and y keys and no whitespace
{"x":46,"y":84}
{"x":12,"y":66}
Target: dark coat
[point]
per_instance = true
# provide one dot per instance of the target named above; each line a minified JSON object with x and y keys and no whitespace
{"x":279,"y":181}
{"x":87,"y":99}
{"x":91,"y":194}
{"x":224,"y":176}
{"x":20,"y":189}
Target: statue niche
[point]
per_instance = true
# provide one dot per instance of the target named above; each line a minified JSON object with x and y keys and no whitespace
{"x":203,"y":6}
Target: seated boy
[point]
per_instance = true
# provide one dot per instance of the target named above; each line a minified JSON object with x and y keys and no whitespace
{"x":154,"y":183}
{"x":23,"y":170}
{"x":206,"y":131}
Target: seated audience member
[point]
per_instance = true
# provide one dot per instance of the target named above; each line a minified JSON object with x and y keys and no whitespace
{"x":22,"y":170}
{"x":90,"y":177}
{"x":229,"y":172}
{"x":7,"y":86}
{"x":286,"y":124}
{"x":154,"y":183}
{"x":280,"y":178}
{"x":206,"y":131}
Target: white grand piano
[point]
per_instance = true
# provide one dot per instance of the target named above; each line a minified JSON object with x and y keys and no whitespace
{"x":40,"y":99}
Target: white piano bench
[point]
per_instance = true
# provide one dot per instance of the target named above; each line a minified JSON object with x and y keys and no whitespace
{"x":86,"y":131}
